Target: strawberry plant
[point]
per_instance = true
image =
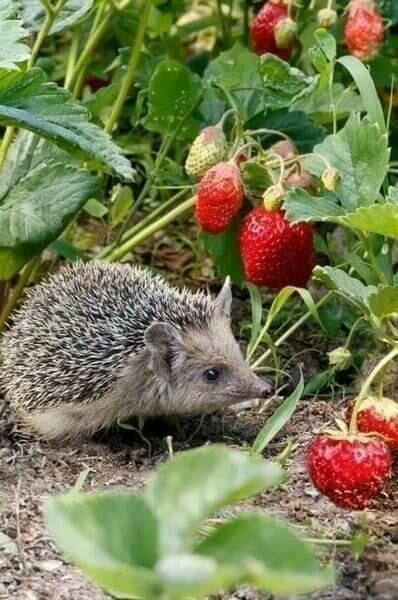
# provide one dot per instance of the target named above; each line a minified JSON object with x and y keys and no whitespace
{"x":151,"y":545}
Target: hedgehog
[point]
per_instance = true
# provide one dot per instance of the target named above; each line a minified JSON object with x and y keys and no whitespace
{"x":98,"y":343}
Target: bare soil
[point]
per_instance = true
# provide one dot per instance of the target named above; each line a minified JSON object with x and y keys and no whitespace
{"x":32,"y":569}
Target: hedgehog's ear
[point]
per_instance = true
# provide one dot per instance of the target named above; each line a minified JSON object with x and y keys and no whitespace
{"x":161,"y":340}
{"x":224,"y":299}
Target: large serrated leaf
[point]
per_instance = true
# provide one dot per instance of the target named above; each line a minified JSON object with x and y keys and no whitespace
{"x":384,"y":301}
{"x":173,"y":93}
{"x":28,"y":101}
{"x":12,"y":34}
{"x":360,"y":153}
{"x":195,"y":484}
{"x":345,"y":285}
{"x":33,"y":14}
{"x":378,"y":218}
{"x":282,"y":83}
{"x":266,"y":554}
{"x":301,"y":206}
{"x":237,"y":72}
{"x":39,"y":195}
{"x":112,"y":537}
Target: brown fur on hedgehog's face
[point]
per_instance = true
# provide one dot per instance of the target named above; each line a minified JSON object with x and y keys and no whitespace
{"x":203,"y":369}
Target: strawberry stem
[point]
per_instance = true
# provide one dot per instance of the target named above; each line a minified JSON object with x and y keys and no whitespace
{"x":366,"y":386}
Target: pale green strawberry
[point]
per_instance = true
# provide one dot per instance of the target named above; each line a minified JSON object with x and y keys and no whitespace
{"x":207,"y":150}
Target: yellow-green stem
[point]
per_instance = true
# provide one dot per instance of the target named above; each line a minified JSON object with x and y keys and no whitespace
{"x":131,"y":69}
{"x":291,"y":330}
{"x":96,"y":34}
{"x":367,"y":384}
{"x":151,"y":229}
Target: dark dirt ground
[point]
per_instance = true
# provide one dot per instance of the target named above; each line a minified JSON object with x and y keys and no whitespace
{"x":33,"y":569}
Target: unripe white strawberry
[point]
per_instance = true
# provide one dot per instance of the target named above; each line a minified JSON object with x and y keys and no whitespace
{"x":207,"y":150}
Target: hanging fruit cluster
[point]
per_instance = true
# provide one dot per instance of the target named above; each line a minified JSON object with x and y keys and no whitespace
{"x":275,"y":252}
{"x":274,"y":27}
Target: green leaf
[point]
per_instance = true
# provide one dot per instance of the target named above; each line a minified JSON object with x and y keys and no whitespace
{"x":377,"y":218}
{"x":255,"y":176}
{"x":33,"y":14}
{"x":278,"y":420}
{"x":318,"y":103}
{"x":28,"y":101}
{"x":300,"y":127}
{"x":38,"y":197}
{"x":12,"y":49}
{"x":393,"y":194}
{"x":384,"y":302}
{"x":196,"y":483}
{"x":347,"y":286}
{"x":224,"y":251}
{"x":360,"y":153}
{"x":283,"y":296}
{"x":95,"y":208}
{"x":112,"y":537}
{"x":283,"y":84}
{"x":121,"y":204}
{"x":173,"y":93}
{"x":193,"y":576}
{"x":267,"y":555}
{"x":367,"y":89}
{"x":301,"y":206}
{"x":256,"y":303}
{"x":327,"y":42}
{"x":237,"y":73}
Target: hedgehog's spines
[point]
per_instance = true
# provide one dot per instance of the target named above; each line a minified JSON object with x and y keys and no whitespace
{"x":82,"y":324}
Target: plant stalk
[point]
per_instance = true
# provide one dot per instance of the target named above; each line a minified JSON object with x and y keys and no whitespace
{"x":151,"y":229}
{"x":366,"y":386}
{"x":95,"y":36}
{"x":291,"y":330}
{"x":131,"y":69}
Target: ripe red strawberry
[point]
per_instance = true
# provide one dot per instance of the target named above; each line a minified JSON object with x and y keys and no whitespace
{"x":275,"y":252}
{"x":350,"y":470}
{"x":263,"y":29}
{"x":220,"y":197}
{"x":379,"y":415}
{"x":207,"y":150}
{"x":364,"y":31}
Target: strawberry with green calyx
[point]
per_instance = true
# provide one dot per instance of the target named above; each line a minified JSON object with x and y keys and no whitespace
{"x":263,"y":29}
{"x":364,"y":30}
{"x":350,"y":468}
{"x":207,"y":150}
{"x":219,"y":197}
{"x":376,"y":415}
{"x":379,"y":416}
{"x":275,"y":252}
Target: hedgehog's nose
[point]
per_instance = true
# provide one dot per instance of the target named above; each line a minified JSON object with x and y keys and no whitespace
{"x":266,"y":390}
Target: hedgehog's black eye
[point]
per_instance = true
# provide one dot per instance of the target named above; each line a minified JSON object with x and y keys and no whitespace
{"x":212,"y":374}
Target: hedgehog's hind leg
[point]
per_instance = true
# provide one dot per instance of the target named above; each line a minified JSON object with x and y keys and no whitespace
{"x":69,"y":421}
